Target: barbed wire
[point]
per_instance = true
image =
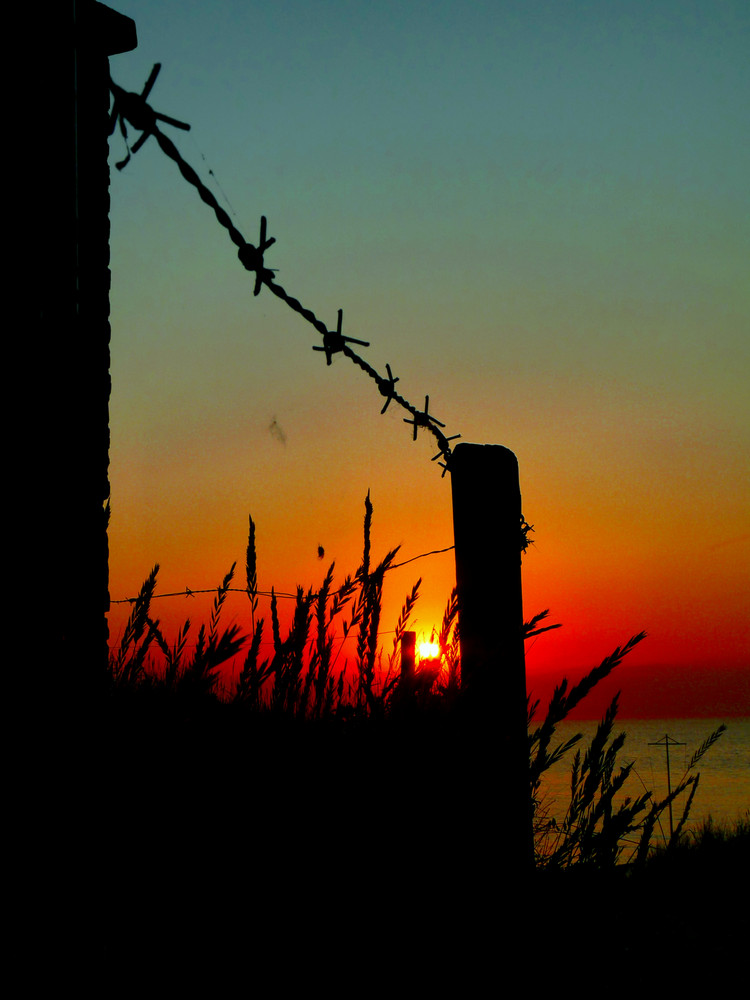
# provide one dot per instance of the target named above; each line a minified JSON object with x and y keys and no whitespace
{"x":134,"y":109}
{"x":188,"y":592}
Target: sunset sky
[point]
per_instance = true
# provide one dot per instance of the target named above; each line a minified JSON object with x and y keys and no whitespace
{"x":538,"y":215}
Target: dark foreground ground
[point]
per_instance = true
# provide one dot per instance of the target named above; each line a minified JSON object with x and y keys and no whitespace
{"x":276,"y":864}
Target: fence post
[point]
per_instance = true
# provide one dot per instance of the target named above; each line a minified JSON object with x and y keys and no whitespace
{"x":408,"y":657}
{"x":487,"y":535}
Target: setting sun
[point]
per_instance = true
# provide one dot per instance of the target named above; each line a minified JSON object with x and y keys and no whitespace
{"x":429,"y":650}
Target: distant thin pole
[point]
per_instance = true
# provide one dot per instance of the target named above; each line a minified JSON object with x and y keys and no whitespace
{"x":666,"y":741}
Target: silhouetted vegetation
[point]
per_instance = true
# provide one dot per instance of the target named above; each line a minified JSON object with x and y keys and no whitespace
{"x":322,"y":805}
{"x":601,"y":826}
{"x":307,"y":678}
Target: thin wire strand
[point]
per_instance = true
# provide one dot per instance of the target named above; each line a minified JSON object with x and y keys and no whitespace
{"x":189,"y":592}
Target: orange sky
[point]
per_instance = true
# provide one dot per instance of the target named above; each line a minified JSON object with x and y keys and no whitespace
{"x":541,"y":224}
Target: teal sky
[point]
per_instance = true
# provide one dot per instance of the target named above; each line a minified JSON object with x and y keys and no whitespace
{"x":537,"y":213}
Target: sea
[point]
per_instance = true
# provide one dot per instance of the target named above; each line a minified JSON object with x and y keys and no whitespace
{"x":723,"y":790}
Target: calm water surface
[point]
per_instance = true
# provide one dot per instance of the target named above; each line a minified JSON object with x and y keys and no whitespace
{"x":724,"y":787}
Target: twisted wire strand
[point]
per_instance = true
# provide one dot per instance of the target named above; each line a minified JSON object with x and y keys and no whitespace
{"x":131,"y":106}
{"x":169,"y":149}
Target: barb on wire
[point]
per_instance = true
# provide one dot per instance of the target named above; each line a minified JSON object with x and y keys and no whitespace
{"x":252,"y":257}
{"x":441,"y":454}
{"x":423,"y":418}
{"x":386,"y":388}
{"x":133,"y":108}
{"x":334,"y":340}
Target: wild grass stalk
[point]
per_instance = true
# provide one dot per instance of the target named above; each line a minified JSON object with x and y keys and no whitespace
{"x":688,"y":783}
{"x":368,"y":611}
{"x":127,"y":665}
{"x":251,"y":576}
{"x":213,"y":647}
{"x":601,"y":827}
{"x":450,"y":650}
{"x":132,"y":664}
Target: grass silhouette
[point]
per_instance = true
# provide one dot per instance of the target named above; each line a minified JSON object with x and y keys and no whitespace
{"x":305,"y":682}
{"x":325,"y":792}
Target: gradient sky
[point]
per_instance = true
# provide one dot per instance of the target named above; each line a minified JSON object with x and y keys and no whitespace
{"x":536,"y":212}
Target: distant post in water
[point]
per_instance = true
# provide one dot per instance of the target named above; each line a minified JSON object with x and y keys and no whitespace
{"x":487,"y":522}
